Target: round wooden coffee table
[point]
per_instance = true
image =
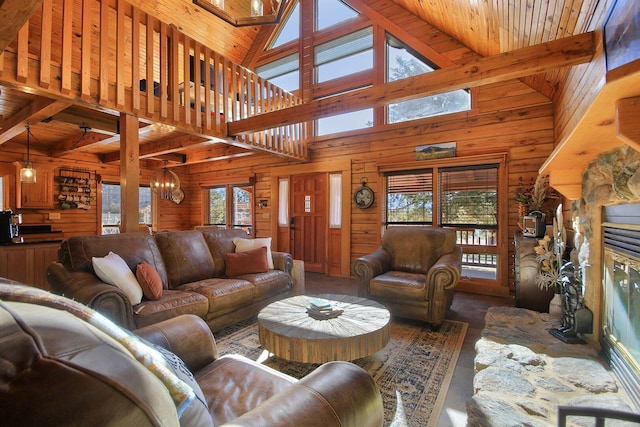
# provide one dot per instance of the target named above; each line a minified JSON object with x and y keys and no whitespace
{"x":286,"y":330}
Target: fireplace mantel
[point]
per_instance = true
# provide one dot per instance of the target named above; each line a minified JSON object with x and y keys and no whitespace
{"x":603,"y":128}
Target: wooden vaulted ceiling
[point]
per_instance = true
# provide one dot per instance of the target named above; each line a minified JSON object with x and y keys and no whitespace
{"x":488,"y":27}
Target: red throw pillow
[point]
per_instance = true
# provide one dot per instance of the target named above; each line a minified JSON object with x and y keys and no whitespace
{"x":253,"y":261}
{"x":149,"y":280}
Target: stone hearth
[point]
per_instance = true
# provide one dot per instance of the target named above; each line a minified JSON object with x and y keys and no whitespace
{"x":522,"y":373}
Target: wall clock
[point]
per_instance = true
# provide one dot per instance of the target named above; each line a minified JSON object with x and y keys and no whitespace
{"x":364,"y":197}
{"x":177,"y":196}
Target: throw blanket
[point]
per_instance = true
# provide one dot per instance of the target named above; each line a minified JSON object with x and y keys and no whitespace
{"x":181,"y":393}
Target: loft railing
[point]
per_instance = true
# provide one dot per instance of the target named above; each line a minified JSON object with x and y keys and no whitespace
{"x":118,"y":57}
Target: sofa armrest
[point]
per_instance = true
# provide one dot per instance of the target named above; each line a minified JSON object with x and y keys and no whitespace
{"x":88,"y":289}
{"x":369,"y":266}
{"x":446,"y":272}
{"x":335,"y":394}
{"x":282,"y":261}
{"x":187,"y":336}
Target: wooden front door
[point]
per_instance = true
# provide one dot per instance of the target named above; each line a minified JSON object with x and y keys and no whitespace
{"x":309,"y":221}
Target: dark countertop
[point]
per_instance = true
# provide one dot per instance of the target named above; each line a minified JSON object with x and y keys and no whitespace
{"x":33,"y":242}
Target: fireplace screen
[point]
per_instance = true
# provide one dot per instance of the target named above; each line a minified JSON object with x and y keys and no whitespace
{"x":621,"y":322}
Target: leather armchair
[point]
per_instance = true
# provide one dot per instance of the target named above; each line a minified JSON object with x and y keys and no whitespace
{"x":414,"y":272}
{"x":58,"y":369}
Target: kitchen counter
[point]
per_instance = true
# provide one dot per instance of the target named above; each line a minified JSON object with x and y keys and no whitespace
{"x":27,"y":261}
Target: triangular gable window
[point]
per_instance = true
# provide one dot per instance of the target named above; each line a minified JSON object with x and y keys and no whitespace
{"x":402,"y":62}
{"x":289,"y":29}
{"x":331,"y":12}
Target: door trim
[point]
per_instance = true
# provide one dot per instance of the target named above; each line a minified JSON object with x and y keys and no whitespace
{"x":342,"y":166}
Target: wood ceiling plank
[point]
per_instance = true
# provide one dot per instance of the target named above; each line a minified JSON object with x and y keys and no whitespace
{"x":37,"y":110}
{"x":13,"y":15}
{"x":519,"y":63}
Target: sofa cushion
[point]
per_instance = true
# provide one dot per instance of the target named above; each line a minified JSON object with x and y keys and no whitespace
{"x":149,"y":280}
{"x":224,"y":295}
{"x":172,"y":304}
{"x":186,"y":256}
{"x":113,"y":270}
{"x":243,"y":245}
{"x":253,"y":261}
{"x":52,"y":355}
{"x":399,"y":285}
{"x":75,"y":253}
{"x":268,"y":284}
{"x":220,"y":242}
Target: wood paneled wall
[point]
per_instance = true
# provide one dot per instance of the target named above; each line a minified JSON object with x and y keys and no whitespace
{"x":78,"y":222}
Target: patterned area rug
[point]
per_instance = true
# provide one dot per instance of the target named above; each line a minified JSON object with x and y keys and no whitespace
{"x":413,"y":371}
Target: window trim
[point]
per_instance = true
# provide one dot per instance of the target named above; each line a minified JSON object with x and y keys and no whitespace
{"x":206,"y":186}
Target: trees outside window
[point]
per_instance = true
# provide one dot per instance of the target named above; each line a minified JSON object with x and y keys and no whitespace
{"x":111,"y":214}
{"x":462,"y":198}
{"x":230,"y":206}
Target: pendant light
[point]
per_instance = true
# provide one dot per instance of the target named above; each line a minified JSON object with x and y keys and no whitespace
{"x":164,"y":182}
{"x":27,"y":172}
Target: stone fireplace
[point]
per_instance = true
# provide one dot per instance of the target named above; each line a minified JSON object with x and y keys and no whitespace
{"x":606,"y":223}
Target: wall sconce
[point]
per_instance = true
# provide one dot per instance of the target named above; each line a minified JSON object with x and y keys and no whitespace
{"x":246,"y":12}
{"x":164,"y":182}
{"x":264,"y":203}
{"x":27,"y":172}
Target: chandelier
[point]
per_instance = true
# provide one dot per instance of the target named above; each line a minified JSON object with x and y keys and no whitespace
{"x":27,"y":172}
{"x":164,"y":182}
{"x":242,"y":13}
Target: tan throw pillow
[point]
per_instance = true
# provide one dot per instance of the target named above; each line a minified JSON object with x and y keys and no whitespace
{"x":247,"y":262}
{"x":113,"y":270}
{"x":149,"y":280}
{"x":243,"y":245}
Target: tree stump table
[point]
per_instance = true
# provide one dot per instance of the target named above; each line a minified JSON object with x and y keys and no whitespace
{"x":288,"y":331}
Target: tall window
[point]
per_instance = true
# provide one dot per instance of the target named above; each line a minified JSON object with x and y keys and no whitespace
{"x":331,"y":12}
{"x":284,"y":72}
{"x":462,"y":198}
{"x":402,"y":62}
{"x":345,"y":55}
{"x":111,"y":215}
{"x":230,"y":206}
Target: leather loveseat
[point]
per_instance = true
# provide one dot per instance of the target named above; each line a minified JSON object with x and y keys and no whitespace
{"x":60,"y":364}
{"x":413,"y":273}
{"x":191,"y":266}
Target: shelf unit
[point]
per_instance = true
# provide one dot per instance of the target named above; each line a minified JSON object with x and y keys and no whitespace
{"x":77,"y":188}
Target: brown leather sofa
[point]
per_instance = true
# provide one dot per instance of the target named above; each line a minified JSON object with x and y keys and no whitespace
{"x":191,"y":266}
{"x":58,"y":369}
{"x":413,"y":273}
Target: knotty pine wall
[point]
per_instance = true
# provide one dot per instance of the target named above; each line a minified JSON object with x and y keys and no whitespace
{"x":509,"y":118}
{"x":77,"y":222}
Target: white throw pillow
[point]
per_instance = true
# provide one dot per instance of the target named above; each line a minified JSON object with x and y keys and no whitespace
{"x":114,"y":270}
{"x":243,"y":245}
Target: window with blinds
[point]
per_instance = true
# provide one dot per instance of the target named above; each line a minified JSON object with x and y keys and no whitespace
{"x":410,"y":198}
{"x":469,"y":197}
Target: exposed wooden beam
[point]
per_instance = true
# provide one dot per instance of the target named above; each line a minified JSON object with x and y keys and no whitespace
{"x":216,"y":153}
{"x":628,"y":121}
{"x":170,"y":145}
{"x":13,"y":15}
{"x":96,"y":120}
{"x":37,"y":110}
{"x":505,"y":66}
{"x":90,"y":139}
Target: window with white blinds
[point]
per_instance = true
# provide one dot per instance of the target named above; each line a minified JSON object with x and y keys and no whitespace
{"x":345,"y":55}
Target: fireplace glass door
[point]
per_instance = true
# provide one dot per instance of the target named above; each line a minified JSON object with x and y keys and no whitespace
{"x":621,"y":323}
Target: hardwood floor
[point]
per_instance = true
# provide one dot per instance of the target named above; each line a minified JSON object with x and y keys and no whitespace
{"x":469,"y":308}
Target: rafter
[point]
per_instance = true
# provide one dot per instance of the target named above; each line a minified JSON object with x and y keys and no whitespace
{"x":506,"y":66}
{"x":167,"y":146}
{"x":37,"y":110}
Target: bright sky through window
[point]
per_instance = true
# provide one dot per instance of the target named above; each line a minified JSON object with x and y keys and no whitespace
{"x":290,"y":30}
{"x":330,"y":12}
